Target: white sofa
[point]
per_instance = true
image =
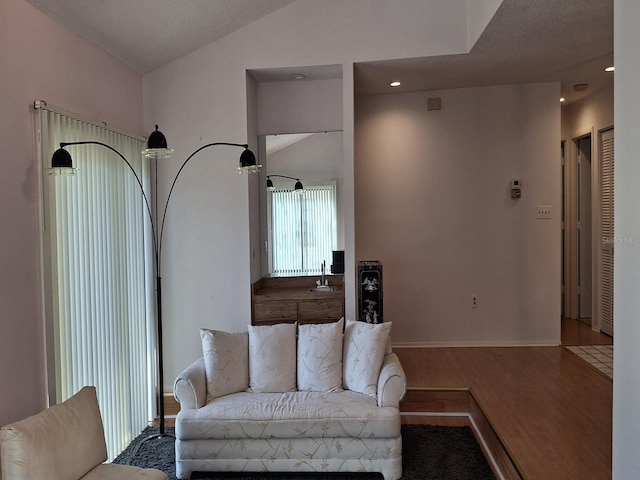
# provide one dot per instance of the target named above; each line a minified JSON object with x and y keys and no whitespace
{"x":282,"y":399}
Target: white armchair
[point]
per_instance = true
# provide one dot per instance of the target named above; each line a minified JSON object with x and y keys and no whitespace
{"x":64,"y":442}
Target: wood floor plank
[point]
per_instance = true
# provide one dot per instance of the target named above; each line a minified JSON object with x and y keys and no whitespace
{"x":551,"y":411}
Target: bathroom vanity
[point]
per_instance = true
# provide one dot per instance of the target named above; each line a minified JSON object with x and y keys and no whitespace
{"x":297,"y":299}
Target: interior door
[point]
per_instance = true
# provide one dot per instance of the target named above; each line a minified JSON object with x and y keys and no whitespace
{"x":607,"y":239}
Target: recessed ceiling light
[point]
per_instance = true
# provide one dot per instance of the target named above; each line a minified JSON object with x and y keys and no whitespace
{"x":561,"y":99}
{"x":297,"y":76}
{"x":580,"y":87}
{"x":395,"y":84}
{"x":609,"y":69}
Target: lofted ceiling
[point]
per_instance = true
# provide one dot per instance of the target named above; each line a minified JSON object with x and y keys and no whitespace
{"x":570,"y":41}
{"x":147,"y":34}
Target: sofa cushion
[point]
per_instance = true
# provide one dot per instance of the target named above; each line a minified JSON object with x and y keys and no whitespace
{"x":320,"y":357}
{"x":363,"y":352}
{"x":272,"y":357}
{"x":63,"y":441}
{"x":226,"y":361}
{"x":289,"y":415}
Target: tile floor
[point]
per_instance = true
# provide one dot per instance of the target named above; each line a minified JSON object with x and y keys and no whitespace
{"x":598,"y":356}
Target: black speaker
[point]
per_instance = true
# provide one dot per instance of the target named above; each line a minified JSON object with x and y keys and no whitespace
{"x":337,"y":266}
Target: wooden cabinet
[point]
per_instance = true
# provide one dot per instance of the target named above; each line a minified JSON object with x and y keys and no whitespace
{"x":276,"y":310}
{"x":320,"y":309}
{"x":295,"y":299}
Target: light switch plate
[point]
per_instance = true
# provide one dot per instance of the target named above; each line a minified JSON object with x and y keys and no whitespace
{"x":543,"y":211}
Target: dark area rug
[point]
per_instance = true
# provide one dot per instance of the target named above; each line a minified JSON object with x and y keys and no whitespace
{"x":428,"y":453}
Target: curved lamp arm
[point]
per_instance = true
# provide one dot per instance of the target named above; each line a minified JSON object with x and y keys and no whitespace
{"x":61,"y":156}
{"x":166,"y":205}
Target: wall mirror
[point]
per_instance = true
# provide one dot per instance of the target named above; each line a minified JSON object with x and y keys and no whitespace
{"x":300,"y":229}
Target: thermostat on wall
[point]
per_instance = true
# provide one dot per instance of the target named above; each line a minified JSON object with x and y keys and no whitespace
{"x":516,"y":188}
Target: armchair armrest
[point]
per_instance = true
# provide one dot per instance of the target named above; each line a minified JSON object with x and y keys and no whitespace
{"x":190,"y":387}
{"x":392,"y":383}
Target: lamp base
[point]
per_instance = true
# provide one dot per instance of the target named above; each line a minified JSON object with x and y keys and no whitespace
{"x":150,"y":438}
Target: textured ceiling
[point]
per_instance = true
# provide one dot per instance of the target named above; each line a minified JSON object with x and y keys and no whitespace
{"x":569,"y":41}
{"x":147,"y":34}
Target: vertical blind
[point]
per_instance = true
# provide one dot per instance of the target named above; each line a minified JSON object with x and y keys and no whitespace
{"x":98,"y":275}
{"x":303,"y":229}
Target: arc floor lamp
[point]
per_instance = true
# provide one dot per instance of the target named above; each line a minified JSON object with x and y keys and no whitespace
{"x":157,"y":149}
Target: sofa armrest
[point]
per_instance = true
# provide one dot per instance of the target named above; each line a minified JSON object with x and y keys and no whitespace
{"x":190,"y":387}
{"x":392,"y":383}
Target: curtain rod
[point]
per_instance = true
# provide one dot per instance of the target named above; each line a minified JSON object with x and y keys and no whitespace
{"x":42,"y":105}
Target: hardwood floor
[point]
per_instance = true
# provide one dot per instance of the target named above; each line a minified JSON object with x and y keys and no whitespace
{"x":549,"y":409}
{"x":575,"y":332}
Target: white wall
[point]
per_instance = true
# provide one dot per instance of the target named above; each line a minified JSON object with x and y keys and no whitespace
{"x":433,"y":205}
{"x":299,"y":106}
{"x":626,"y":381}
{"x":594,"y":112}
{"x":203,"y":97}
{"x":41,"y":60}
{"x":314,"y":159}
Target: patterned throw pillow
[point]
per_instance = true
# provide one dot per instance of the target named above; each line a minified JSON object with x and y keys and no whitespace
{"x":226,"y":361}
{"x":272,"y":357}
{"x":364,"y":348}
{"x":320,"y":357}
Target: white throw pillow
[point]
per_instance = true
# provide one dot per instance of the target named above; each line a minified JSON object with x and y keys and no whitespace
{"x":320,"y":357}
{"x":364,"y":349}
{"x":272,"y":357}
{"x":226,"y":361}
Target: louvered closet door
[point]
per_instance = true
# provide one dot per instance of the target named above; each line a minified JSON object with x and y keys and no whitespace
{"x":607,"y":238}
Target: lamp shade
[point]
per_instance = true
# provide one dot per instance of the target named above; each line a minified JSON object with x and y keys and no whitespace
{"x":248,"y":162}
{"x":270,"y":184}
{"x":61,"y":159}
{"x":61,"y":163}
{"x":157,"y":145}
{"x":299,"y":185}
{"x":157,"y":139}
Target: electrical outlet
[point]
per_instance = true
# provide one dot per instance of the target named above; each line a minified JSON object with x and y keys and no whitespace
{"x":474,"y":301}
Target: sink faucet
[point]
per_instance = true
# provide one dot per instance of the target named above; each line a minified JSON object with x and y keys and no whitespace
{"x":323,"y":281}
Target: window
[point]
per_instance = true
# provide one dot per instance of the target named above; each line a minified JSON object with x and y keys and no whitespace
{"x":98,"y":275}
{"x":303,"y":229}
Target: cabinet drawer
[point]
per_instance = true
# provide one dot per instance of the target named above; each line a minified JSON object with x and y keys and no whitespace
{"x":321,"y":309}
{"x":276,"y":310}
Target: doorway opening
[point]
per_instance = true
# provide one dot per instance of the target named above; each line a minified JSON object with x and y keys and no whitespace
{"x":586,"y":186}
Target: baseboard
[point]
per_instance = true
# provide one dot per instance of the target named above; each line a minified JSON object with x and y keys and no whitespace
{"x":472,"y":344}
{"x":455,"y":403}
